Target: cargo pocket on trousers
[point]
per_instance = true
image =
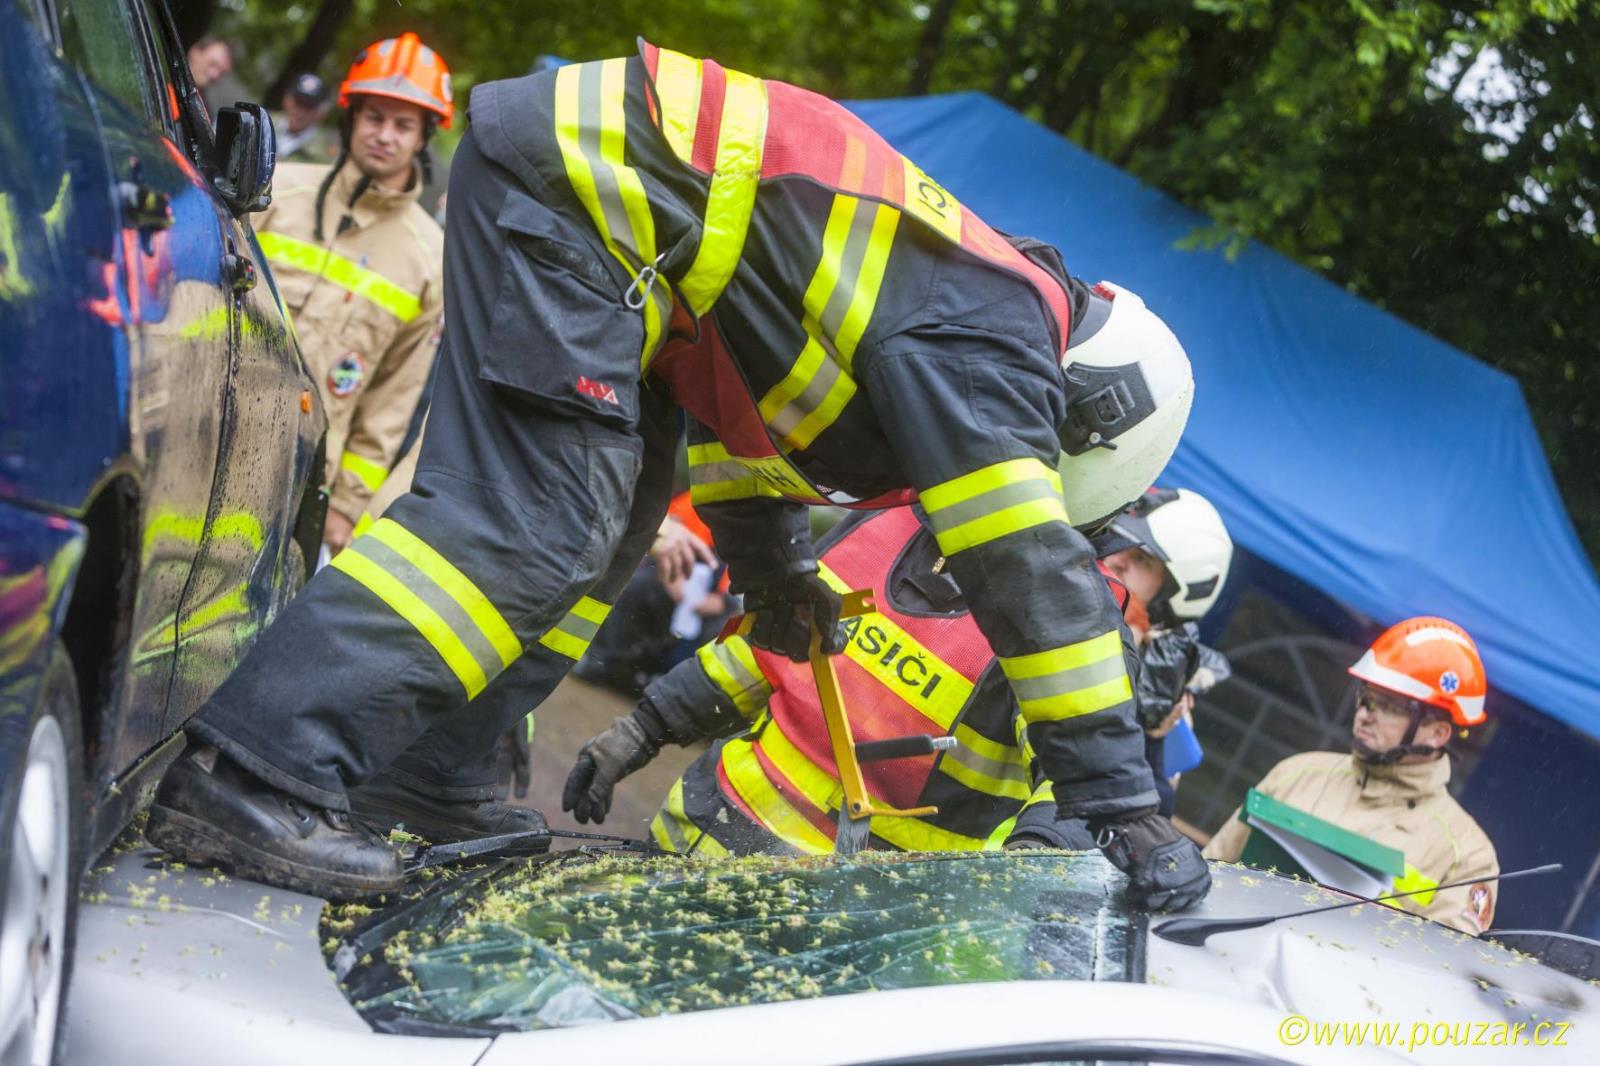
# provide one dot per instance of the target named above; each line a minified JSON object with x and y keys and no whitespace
{"x":560,"y":335}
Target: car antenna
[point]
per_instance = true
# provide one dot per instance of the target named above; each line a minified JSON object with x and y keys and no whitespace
{"x":1194,"y":931}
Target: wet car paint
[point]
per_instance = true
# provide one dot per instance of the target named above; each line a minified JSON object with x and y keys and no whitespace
{"x":137,"y":383}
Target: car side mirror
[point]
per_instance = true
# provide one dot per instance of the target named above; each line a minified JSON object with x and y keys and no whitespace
{"x":246,"y":154}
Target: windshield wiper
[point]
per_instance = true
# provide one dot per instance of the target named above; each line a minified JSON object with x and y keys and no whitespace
{"x":514,"y":845}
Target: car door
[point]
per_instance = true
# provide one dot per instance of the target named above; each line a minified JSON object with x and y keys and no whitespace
{"x":270,"y":425}
{"x":169,"y":261}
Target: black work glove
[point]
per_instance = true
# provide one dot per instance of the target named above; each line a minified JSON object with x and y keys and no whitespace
{"x":1164,"y":867}
{"x":629,"y":744}
{"x":785,"y":610}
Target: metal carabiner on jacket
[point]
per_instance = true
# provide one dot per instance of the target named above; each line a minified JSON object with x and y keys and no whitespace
{"x":643,"y":282}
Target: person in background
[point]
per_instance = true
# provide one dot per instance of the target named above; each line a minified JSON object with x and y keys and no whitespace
{"x":211,"y":62}
{"x":301,"y":136}
{"x":641,"y":639}
{"x":1172,"y":551}
{"x":360,"y":265}
{"x":1420,"y":682}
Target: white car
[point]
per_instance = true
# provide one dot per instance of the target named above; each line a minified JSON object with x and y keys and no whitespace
{"x":987,"y":958}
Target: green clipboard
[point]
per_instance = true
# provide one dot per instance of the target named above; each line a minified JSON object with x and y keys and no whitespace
{"x":1309,"y":833}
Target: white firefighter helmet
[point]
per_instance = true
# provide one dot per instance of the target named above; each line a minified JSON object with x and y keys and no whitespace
{"x":1129,"y":389}
{"x":1182,"y":529}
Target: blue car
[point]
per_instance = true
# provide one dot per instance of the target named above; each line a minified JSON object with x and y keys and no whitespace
{"x":159,"y":439}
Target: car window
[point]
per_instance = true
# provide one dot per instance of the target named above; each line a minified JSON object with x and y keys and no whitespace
{"x":166,"y":89}
{"x":567,"y":941}
{"x":100,"y":39}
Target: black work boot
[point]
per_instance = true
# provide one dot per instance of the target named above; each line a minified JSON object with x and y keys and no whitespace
{"x":384,"y":803}
{"x":210,"y":811}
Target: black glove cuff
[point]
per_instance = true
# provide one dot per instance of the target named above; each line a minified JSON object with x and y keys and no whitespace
{"x":1097,"y":822}
{"x":651,"y":724}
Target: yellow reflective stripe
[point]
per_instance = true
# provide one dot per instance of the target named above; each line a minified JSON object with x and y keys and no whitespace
{"x":572,"y":635}
{"x":678,"y":94}
{"x":591,"y":131}
{"x":993,"y":502}
{"x":838,"y":304}
{"x":732,"y":195}
{"x":731,"y":666}
{"x":825,"y":792}
{"x":453,"y":582}
{"x":998,"y":835}
{"x":1412,"y":880}
{"x":286,"y":251}
{"x":863,"y":300}
{"x":408,"y":605}
{"x":675,"y":831}
{"x":369,"y":473}
{"x":1069,"y":681}
{"x":764,"y":800}
{"x":714,"y":475}
{"x":900,"y":663}
{"x":363,"y":524}
{"x":984,"y":766}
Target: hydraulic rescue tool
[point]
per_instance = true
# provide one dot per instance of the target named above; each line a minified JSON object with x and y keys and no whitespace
{"x":857,"y":808}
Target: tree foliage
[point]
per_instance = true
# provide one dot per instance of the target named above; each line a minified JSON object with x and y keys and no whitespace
{"x":1437,"y":157}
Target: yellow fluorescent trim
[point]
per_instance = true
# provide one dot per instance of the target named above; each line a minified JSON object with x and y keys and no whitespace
{"x":405,"y":603}
{"x":762,"y":797}
{"x":986,"y":479}
{"x":731,"y":199}
{"x":369,"y":473}
{"x":711,"y":452}
{"x":1107,"y":645}
{"x":1002,"y":523}
{"x":347,"y":275}
{"x":1084,"y":701}
{"x":565,"y":644}
{"x":455,"y":584}
{"x":678,"y":93}
{"x":868,"y":283}
{"x":591,"y":610}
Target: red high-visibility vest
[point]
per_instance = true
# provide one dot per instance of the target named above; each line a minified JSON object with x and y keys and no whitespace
{"x":901,"y":673}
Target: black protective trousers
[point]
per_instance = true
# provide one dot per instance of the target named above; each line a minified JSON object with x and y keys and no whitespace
{"x":530,"y":503}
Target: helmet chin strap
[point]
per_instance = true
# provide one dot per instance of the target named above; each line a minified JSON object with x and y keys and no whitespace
{"x":1407,"y":745}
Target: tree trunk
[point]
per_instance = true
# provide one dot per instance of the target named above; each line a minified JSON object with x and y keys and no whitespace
{"x":929,"y":46}
{"x":312,"y":49}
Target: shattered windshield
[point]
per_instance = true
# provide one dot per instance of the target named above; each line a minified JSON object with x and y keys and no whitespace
{"x":575,"y":939}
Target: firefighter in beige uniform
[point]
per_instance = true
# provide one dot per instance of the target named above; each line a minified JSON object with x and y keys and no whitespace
{"x":1421,"y":680}
{"x":359,"y":263}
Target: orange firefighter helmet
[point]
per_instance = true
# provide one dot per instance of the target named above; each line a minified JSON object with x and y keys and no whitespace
{"x":401,"y":68}
{"x":1429,"y":660}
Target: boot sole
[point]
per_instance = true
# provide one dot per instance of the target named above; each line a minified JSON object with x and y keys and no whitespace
{"x":192,"y":840}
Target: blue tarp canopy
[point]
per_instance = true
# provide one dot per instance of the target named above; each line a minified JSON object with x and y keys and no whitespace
{"x":1352,"y":450}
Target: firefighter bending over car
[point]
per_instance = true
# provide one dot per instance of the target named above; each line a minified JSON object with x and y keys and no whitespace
{"x":1420,"y":682}
{"x":643,"y":233}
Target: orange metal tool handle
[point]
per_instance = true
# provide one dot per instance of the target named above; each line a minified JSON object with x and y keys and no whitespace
{"x":857,"y":803}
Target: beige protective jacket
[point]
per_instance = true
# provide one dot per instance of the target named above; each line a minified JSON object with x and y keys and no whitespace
{"x":1404,"y":807}
{"x":367,"y":304}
